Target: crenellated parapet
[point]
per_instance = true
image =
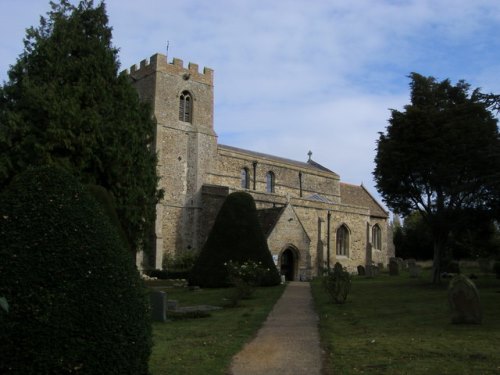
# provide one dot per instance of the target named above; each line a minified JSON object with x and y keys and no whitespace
{"x":158,"y":62}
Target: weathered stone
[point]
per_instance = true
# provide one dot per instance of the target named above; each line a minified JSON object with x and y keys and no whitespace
{"x":172,"y":304}
{"x":463,"y":298}
{"x":158,"y":301}
{"x":372,"y":270}
{"x":197,"y":174}
{"x":393,"y":267}
{"x":414,"y":270}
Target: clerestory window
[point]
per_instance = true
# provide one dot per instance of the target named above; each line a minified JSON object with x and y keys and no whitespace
{"x":186,"y":107}
{"x":245,"y":178}
{"x":343,"y":241}
{"x":270,"y":179}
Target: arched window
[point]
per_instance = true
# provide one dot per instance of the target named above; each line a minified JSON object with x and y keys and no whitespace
{"x":186,"y":107}
{"x":245,"y":178}
{"x":376,"y":237}
{"x":270,"y":182}
{"x":343,"y":241}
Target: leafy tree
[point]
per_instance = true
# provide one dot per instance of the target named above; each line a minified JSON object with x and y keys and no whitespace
{"x":65,"y":104}
{"x":440,"y":157}
{"x":414,"y":239}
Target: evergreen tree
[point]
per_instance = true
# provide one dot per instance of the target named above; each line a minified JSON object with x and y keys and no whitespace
{"x":440,"y":157}
{"x":65,"y":104}
{"x":236,"y":236}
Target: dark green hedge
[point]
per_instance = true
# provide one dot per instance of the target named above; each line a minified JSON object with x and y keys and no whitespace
{"x":77,"y":303}
{"x":236,"y":235}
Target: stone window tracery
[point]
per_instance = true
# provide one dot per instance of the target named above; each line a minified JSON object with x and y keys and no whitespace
{"x":343,"y":240}
{"x":377,"y":237}
{"x":270,"y":181}
{"x":186,"y":107}
{"x":245,"y":178}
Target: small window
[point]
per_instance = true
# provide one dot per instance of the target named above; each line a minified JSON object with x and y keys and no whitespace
{"x":376,"y":237}
{"x":343,"y":241}
{"x":270,"y":182}
{"x":245,"y":178}
{"x":185,"y":107}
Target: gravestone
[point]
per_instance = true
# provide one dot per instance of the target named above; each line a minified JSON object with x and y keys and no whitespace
{"x":401,"y":263}
{"x":414,"y":270}
{"x":361,"y":270}
{"x":393,"y":267}
{"x":158,"y":301}
{"x":463,"y":298}
{"x":372,"y":270}
{"x":411,"y":262}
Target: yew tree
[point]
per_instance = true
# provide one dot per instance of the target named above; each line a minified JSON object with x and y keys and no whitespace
{"x":440,"y":156}
{"x":66,"y":104}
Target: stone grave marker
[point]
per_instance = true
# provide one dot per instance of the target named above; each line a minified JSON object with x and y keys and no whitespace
{"x":361,"y":270}
{"x":463,"y":298}
{"x":401,"y":263}
{"x":414,"y":270}
{"x":158,"y":301}
{"x":372,"y":270}
{"x":393,"y":267}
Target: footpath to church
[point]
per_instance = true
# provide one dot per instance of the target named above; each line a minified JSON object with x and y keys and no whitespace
{"x":288,"y":342}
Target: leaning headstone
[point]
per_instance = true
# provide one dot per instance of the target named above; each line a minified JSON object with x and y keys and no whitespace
{"x":393,"y":267}
{"x":361,"y":270}
{"x":158,"y":301}
{"x":463,"y":298}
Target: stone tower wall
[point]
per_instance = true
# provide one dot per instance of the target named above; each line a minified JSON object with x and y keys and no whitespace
{"x":186,"y":150}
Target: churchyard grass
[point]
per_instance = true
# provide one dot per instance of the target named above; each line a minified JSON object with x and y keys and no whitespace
{"x":206,"y":345}
{"x":399,"y":325}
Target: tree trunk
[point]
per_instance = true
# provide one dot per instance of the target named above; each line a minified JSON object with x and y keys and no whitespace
{"x":439,"y":252}
{"x":436,"y":264}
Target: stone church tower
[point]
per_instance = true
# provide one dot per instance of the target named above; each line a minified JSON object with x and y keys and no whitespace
{"x":310,"y":218}
{"x":186,"y":144}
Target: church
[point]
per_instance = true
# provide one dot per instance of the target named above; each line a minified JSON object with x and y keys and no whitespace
{"x":310,"y":218}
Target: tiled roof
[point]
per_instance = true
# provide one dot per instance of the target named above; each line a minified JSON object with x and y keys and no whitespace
{"x":319,"y":198}
{"x":359,"y":196}
{"x":268,"y":218}
{"x":309,"y":164}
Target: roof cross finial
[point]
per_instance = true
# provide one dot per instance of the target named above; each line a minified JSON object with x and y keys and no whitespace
{"x":309,"y":154}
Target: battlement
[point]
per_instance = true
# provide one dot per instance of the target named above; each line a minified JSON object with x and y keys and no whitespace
{"x":158,"y":62}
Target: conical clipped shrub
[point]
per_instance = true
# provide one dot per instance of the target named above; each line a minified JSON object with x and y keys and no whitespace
{"x":237,"y":236}
{"x":76,"y":301}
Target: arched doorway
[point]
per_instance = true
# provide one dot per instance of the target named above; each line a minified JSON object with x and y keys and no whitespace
{"x":288,"y":264}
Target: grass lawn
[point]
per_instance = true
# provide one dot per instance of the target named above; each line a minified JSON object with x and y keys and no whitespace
{"x":398,"y":325}
{"x":206,"y":345}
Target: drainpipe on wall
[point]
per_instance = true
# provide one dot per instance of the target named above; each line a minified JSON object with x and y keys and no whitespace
{"x":328,"y":218}
{"x":254,"y":174}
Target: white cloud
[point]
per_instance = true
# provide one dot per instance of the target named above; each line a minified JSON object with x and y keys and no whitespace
{"x":294,"y":75}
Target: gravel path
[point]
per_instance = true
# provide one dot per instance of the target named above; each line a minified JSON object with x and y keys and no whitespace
{"x":288,"y":342}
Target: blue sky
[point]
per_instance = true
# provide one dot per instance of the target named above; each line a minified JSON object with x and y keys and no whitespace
{"x":299,"y":75}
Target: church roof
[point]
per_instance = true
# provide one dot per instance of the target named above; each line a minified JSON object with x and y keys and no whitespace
{"x":268,"y":217}
{"x":310,"y":164}
{"x":359,"y":196}
{"x":319,"y":198}
{"x":318,"y":166}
